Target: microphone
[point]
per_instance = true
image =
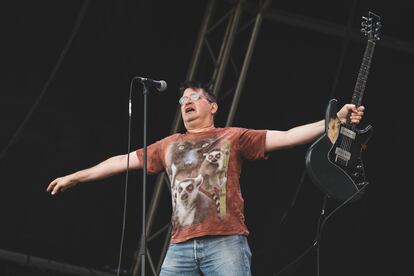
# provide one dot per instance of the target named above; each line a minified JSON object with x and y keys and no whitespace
{"x":160,"y":85}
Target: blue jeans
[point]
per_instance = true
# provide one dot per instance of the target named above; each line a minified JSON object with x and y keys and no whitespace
{"x":216,"y":255}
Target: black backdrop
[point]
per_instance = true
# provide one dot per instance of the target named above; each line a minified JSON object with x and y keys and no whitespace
{"x":82,"y":119}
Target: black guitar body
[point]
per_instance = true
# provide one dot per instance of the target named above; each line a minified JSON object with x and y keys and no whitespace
{"x":338,"y":176}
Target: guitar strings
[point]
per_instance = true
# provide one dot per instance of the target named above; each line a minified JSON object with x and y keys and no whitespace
{"x":346,"y":142}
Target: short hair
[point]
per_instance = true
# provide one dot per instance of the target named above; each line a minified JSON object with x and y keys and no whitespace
{"x":206,"y":88}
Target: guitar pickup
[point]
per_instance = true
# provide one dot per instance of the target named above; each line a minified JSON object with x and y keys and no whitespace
{"x":348,"y":133}
{"x":342,"y":155}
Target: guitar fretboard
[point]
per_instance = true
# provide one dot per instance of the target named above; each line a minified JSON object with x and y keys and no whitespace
{"x":362,"y":77}
{"x":363,"y":74}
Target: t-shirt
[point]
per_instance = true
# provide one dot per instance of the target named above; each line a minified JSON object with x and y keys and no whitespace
{"x":204,"y":170}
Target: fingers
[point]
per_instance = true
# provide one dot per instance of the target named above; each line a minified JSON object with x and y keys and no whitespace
{"x":356,"y":119}
{"x":55,"y":189}
{"x":357,"y":114}
{"x":353,"y":108}
{"x":55,"y":186}
{"x":51,"y":185}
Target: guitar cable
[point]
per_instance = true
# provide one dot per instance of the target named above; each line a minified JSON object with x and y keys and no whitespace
{"x":318,"y":236}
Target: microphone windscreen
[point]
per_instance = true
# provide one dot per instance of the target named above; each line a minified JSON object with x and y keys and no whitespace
{"x":163,"y":86}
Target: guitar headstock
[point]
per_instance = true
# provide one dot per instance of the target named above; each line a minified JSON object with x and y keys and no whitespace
{"x":371,"y":26}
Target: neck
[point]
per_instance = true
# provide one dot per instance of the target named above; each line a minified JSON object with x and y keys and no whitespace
{"x":200,"y":129}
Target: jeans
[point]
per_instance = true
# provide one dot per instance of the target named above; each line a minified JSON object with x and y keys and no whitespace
{"x":210,"y":256}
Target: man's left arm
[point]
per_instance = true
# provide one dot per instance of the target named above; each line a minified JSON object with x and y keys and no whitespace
{"x":307,"y":133}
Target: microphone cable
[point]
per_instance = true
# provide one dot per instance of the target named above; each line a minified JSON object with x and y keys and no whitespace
{"x":126,"y":179}
{"x":318,"y":235}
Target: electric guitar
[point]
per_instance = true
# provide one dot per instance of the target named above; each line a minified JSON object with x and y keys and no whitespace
{"x":334,"y":161}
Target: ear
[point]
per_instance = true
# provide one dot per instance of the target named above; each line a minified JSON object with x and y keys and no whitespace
{"x":214,"y":108}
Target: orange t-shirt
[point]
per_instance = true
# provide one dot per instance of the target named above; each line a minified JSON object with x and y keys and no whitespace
{"x":204,"y":170}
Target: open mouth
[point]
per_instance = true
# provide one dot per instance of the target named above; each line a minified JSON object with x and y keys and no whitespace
{"x":189,"y":109}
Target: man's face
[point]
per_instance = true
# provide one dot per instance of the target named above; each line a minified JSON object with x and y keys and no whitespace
{"x":199,"y":112}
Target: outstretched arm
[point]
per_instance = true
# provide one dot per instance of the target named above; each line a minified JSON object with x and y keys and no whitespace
{"x":107,"y":168}
{"x":307,"y":133}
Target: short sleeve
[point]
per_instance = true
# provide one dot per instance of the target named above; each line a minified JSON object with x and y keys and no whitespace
{"x":252,"y":144}
{"x":155,"y":162}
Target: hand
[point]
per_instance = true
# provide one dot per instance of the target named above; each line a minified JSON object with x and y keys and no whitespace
{"x":60,"y":184}
{"x":356,"y":113}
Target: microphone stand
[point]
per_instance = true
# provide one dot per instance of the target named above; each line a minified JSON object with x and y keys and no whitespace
{"x":143,"y":247}
{"x":142,"y":253}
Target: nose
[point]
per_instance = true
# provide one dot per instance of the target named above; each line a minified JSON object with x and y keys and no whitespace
{"x":184,"y":196}
{"x":189,"y":101}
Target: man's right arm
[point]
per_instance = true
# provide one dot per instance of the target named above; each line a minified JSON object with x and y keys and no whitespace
{"x":114,"y":165}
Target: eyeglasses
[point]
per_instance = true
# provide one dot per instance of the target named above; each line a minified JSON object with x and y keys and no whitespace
{"x":193,"y":97}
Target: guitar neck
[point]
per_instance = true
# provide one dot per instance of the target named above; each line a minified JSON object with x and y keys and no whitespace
{"x":363,"y":74}
{"x":362,"y":79}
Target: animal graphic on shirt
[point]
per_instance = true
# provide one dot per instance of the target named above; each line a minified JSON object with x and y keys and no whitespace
{"x":192,"y":205}
{"x":188,"y":155}
{"x":185,"y":154}
{"x":184,"y":163}
{"x":213,"y":170}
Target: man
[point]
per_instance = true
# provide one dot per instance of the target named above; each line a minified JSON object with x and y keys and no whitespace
{"x":204,"y":165}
